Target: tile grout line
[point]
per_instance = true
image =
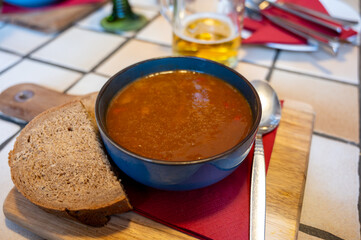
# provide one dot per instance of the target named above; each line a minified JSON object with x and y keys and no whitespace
{"x":156,"y":43}
{"x":56,"y":65}
{"x":11,"y":51}
{"x":319,"y":77}
{"x":11,"y":65}
{"x":110,"y":54}
{"x":101,"y":74}
{"x":338,"y":139}
{"x":272,"y":68}
{"x":127,"y":39}
{"x":6,"y":142}
{"x":316,"y":232}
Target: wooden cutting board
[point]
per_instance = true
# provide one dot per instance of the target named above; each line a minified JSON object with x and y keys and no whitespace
{"x":53,"y":19}
{"x":285,"y":179}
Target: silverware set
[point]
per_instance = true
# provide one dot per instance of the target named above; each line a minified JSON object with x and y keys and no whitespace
{"x":331,"y":43}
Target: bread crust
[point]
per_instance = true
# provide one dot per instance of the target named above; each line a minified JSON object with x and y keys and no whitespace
{"x":96,"y":217}
{"x":95,"y":213}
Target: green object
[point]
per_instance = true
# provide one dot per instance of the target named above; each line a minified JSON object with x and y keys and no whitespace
{"x":123,"y":18}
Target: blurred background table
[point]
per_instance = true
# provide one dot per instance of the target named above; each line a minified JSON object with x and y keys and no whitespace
{"x":331,"y":85}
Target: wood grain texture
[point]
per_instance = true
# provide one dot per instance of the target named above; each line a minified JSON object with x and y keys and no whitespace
{"x":285,"y":187}
{"x":123,"y":226}
{"x":51,"y":20}
{"x":15,"y":103}
{"x":287,"y":171}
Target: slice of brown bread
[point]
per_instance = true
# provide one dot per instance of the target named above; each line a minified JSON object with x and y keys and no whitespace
{"x":58,"y":163}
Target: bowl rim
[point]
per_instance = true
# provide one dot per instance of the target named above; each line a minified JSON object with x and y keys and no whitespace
{"x":102,"y":128}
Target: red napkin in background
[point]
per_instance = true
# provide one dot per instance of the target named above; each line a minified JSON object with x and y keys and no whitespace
{"x":8,"y":8}
{"x":220,"y":211}
{"x":266,"y":32}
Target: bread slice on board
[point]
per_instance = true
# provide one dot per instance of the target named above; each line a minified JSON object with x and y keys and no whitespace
{"x":58,"y":163}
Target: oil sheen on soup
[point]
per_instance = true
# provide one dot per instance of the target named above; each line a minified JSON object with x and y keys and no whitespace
{"x":178,"y":116}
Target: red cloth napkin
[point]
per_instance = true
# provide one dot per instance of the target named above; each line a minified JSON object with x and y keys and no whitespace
{"x":8,"y":8}
{"x":266,"y":32}
{"x":220,"y":211}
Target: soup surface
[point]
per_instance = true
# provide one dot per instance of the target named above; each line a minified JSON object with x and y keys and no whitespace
{"x":178,"y":116}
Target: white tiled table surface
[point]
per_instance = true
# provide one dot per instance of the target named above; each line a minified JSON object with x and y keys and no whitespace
{"x":81,"y":59}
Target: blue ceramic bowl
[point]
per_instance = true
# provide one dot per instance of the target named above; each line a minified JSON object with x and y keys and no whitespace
{"x":185,"y":175}
{"x":31,"y":3}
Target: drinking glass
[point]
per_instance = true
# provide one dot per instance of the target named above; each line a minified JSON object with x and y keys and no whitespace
{"x":205,"y":28}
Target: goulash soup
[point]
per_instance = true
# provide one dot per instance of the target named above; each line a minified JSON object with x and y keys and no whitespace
{"x":178,"y":116}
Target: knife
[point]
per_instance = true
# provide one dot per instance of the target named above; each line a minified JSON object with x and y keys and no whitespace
{"x":307,"y":17}
{"x":312,"y":37}
{"x":344,"y":22}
